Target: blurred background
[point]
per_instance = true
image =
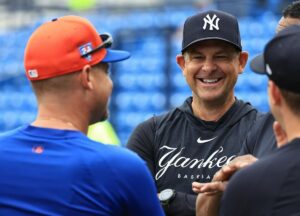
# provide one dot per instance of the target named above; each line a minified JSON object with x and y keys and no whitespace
{"x":150,"y":82}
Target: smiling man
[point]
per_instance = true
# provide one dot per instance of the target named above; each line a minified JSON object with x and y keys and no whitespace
{"x":193,"y":141}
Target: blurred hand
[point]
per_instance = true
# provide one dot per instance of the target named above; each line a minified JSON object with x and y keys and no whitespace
{"x":220,"y":179}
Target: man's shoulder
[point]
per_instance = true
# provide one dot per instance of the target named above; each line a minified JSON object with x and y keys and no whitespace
{"x":168,"y":116}
{"x":124,"y":162}
{"x":263,"y":127}
{"x":162,"y":118}
{"x":243,"y":107}
{"x":172,"y":115}
{"x":12,"y":133}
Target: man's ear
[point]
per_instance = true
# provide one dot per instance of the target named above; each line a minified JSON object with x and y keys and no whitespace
{"x":181,"y":63}
{"x":85,"y":77}
{"x":275,"y":95}
{"x":243,"y":58}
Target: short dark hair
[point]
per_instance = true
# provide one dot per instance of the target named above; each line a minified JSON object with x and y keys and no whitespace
{"x":293,"y":100}
{"x":292,"y":10}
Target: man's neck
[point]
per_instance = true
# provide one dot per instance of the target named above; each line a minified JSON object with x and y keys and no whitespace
{"x":61,"y":119}
{"x":291,"y":125}
{"x":211,"y":111}
{"x":55,"y":122}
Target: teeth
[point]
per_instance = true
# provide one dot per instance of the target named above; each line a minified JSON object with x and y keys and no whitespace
{"x":210,"y":80}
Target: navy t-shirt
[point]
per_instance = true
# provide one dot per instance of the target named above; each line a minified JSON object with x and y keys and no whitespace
{"x":268,"y":187}
{"x":180,"y":148}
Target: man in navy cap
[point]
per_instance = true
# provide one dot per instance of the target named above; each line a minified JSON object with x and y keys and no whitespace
{"x":195,"y":140}
{"x":271,"y":185}
{"x":259,"y":142}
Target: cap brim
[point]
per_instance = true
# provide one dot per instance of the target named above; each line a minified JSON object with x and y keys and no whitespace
{"x":115,"y":56}
{"x":257,"y":64}
{"x":210,"y":38}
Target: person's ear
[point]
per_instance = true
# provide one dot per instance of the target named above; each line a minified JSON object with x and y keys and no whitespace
{"x":275,"y":96}
{"x":181,"y":63}
{"x":280,"y":134}
{"x":85,"y":77}
{"x":243,"y":58}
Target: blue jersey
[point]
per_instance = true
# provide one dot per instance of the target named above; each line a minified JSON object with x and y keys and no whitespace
{"x":62,"y":172}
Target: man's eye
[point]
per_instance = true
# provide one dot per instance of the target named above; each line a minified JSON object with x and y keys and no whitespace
{"x":221,"y":56}
{"x":198,"y":57}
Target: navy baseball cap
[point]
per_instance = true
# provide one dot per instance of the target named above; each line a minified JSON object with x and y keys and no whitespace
{"x":212,"y":24}
{"x":280,"y":60}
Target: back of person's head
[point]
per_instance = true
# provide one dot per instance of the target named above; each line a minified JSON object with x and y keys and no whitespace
{"x":280,"y":62}
{"x":292,"y":10}
{"x":60,"y":85}
{"x":64,"y":46}
{"x":211,"y":25}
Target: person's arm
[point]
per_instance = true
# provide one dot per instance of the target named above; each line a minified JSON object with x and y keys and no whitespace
{"x":141,"y":142}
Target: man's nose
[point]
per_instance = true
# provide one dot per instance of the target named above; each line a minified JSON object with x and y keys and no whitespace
{"x":209,"y":65}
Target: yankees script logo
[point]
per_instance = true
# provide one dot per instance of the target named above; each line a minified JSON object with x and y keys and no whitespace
{"x":184,"y":162}
{"x":210,"y":21}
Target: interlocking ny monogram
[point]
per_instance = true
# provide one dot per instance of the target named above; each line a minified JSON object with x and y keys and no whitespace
{"x":210,"y":21}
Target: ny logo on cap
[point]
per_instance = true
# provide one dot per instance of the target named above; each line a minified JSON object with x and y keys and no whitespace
{"x":213,"y":22}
